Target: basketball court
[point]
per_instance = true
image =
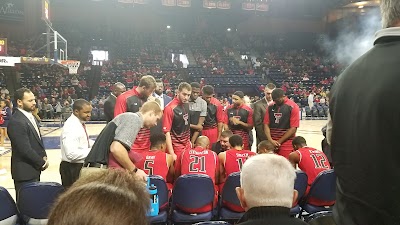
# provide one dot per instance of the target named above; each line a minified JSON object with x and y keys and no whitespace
{"x":309,"y":129}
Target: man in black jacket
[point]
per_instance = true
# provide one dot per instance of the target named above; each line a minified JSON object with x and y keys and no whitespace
{"x":267,"y":204}
{"x":365,"y":135}
{"x":28,"y":156}
{"x":109,"y":104}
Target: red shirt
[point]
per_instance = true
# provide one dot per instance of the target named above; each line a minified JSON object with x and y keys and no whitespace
{"x":131,"y":101}
{"x":176,"y":121}
{"x":313,"y":162}
{"x":245,"y":114}
{"x":198,"y":161}
{"x":235,"y":159}
{"x":280,"y":119}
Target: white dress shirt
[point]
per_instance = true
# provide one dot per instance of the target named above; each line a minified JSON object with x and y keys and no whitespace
{"x":75,"y":145}
{"x":161,"y":98}
{"x":32,"y":120}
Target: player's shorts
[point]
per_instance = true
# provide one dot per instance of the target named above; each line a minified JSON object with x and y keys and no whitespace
{"x":212,"y":134}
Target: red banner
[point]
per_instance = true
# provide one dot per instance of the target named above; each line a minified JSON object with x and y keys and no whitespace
{"x":209,"y":4}
{"x":262,"y":7}
{"x":141,"y":2}
{"x":168,"y":2}
{"x":248,"y":6}
{"x":184,"y":3}
{"x":223,"y":5}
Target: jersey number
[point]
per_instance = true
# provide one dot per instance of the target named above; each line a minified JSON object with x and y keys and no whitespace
{"x":196,"y":160}
{"x":148,"y":167}
{"x":319,"y":161}
{"x":240,"y":163}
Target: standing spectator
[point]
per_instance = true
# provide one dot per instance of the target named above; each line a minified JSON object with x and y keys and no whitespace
{"x":109,"y":104}
{"x":260,"y":107}
{"x":28,"y":156}
{"x":281,"y":122}
{"x":117,"y":138}
{"x":311,"y":100}
{"x":239,"y":118}
{"x":75,"y":143}
{"x":267,"y":204}
{"x":365,"y":130}
{"x":6,"y":114}
{"x":198,"y":112}
{"x":176,"y":124}
{"x":214,"y":120}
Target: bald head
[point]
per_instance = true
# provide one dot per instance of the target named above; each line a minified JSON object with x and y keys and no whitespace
{"x":203,"y":141}
{"x":118,"y":89}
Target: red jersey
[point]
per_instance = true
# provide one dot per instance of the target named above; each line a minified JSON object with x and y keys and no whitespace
{"x":198,"y":161}
{"x":235,"y":159}
{"x":280,"y":119}
{"x":131,"y":101}
{"x":313,"y":162}
{"x":154,"y":163}
{"x":245,"y":114}
{"x":176,"y":121}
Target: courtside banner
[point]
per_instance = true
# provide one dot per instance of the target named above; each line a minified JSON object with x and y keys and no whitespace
{"x":248,"y":6}
{"x":223,"y":5}
{"x":209,"y":4}
{"x":140,"y":2}
{"x":35,"y":60}
{"x":264,"y":7}
{"x":184,"y":3}
{"x":9,"y":61}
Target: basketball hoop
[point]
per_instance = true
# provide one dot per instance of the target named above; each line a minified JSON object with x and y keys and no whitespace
{"x":72,"y":65}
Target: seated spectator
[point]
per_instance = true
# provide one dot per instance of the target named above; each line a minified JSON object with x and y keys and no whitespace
{"x":311,"y":161}
{"x":66,"y":110}
{"x":266,"y":147}
{"x":112,"y":197}
{"x":156,"y":161}
{"x":267,"y":204}
{"x":47,"y":109}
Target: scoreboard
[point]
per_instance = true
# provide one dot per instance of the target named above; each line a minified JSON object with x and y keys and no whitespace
{"x":3,"y":46}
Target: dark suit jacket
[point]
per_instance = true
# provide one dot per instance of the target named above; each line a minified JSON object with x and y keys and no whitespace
{"x":158,"y":128}
{"x":260,"y":107}
{"x":27,"y":148}
{"x":109,"y":105}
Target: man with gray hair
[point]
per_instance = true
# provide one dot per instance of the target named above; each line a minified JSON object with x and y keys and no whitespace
{"x":365,"y":130}
{"x":267,"y":204}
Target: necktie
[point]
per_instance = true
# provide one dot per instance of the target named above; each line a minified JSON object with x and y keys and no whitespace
{"x":87,"y":136}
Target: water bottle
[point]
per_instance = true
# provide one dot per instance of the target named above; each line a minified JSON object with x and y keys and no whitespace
{"x":154,"y":204}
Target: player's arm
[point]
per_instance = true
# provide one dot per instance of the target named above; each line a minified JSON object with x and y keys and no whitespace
{"x":294,"y":124}
{"x":171,"y":170}
{"x":121,"y":155}
{"x":294,"y":159}
{"x":177,"y":168}
{"x":216,"y":168}
{"x":225,"y":122}
{"x":221,"y":175}
{"x":198,"y":128}
{"x":167,"y":124}
{"x":220,"y":119}
{"x":249,"y":124}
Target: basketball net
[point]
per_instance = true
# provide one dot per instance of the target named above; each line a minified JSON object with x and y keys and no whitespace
{"x":73,"y":65}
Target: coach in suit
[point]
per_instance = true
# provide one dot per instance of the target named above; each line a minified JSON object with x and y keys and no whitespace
{"x":28,"y":157}
{"x":260,"y":107}
{"x":163,"y":100}
{"x":109,"y":104}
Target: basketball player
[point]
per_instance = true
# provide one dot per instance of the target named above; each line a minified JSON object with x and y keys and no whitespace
{"x":239,"y":118}
{"x":311,"y":161}
{"x":156,"y":161}
{"x":176,"y":124}
{"x":232,"y":161}
{"x":281,"y":122}
{"x":265,"y":147}
{"x":199,"y":160}
{"x":213,"y":123}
